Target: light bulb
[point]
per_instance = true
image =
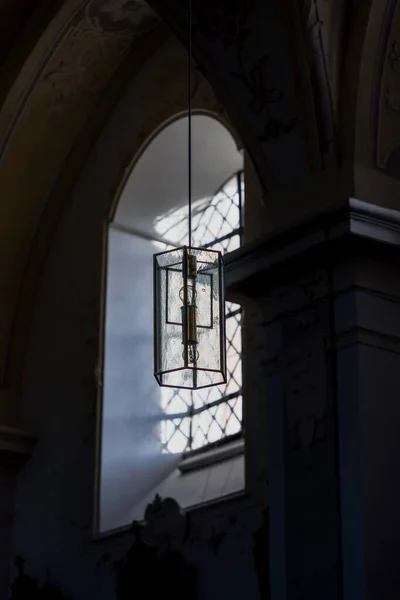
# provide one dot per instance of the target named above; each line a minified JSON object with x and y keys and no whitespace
{"x":191,"y":294}
{"x":193,"y":354}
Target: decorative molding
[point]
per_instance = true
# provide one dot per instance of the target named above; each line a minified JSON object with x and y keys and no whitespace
{"x":374,"y":222}
{"x":367,"y":337}
{"x":373,"y":212}
{"x":357,"y":219}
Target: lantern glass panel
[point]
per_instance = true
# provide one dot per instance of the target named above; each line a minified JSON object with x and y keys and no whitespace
{"x":189,"y":318}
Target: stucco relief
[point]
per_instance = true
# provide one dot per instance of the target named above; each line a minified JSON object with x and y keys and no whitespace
{"x":81,"y":66}
{"x":388,"y":140}
{"x":90,"y":51}
{"x":85,"y":54}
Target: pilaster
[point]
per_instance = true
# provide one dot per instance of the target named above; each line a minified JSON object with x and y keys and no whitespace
{"x":329,"y":293}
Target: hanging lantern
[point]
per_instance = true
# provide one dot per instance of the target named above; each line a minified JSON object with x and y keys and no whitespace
{"x":189,"y":304}
{"x":189,"y":318}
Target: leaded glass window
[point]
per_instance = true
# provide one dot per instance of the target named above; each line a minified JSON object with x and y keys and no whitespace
{"x":196,"y":419}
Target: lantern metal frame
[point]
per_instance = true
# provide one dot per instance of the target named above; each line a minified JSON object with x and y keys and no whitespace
{"x":188,"y":321}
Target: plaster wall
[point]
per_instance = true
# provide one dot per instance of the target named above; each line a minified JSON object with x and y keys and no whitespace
{"x":55,"y":491}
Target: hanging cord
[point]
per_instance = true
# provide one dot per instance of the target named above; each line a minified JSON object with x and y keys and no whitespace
{"x":191,"y":409}
{"x":190,"y":125}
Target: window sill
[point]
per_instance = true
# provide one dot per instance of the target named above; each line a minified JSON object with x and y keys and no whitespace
{"x":211,"y":457}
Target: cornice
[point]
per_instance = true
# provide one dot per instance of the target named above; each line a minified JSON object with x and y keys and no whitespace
{"x":357,"y":221}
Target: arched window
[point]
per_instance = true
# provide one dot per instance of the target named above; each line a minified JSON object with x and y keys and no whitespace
{"x":147,"y":431}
